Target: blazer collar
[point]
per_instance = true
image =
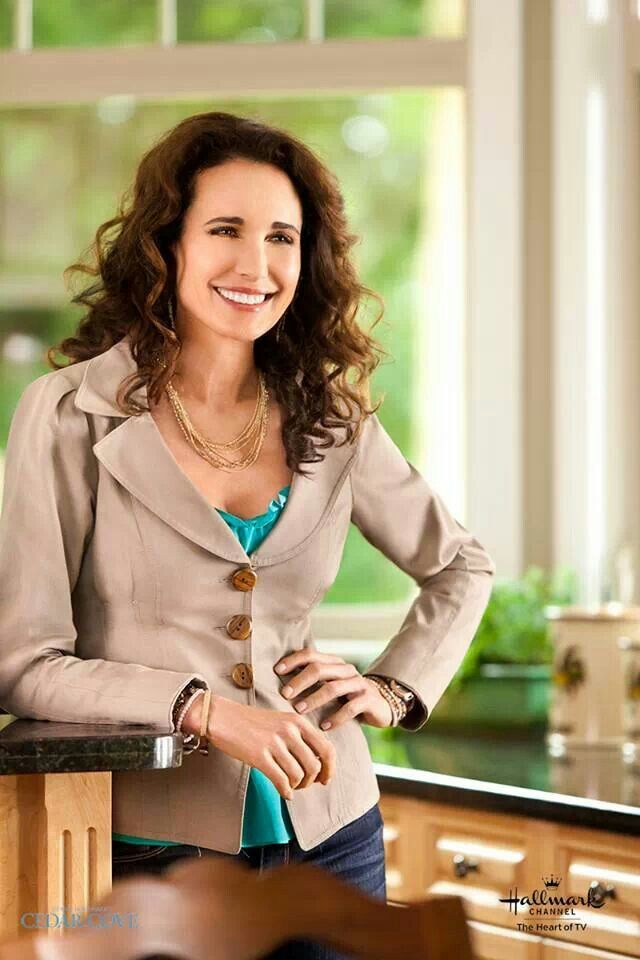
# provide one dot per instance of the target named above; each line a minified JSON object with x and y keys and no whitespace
{"x":136,"y":455}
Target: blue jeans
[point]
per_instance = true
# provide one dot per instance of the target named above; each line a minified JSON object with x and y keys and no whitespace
{"x":355,"y":853}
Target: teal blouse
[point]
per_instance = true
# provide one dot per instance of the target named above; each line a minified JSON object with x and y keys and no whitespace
{"x":266,"y":818}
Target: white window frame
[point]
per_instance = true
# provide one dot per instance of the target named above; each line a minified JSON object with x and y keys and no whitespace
{"x":596,"y":295}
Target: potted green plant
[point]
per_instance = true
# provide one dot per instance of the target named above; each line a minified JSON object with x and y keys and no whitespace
{"x":504,"y":680}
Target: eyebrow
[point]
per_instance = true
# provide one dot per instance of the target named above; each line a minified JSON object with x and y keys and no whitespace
{"x":276,"y":225}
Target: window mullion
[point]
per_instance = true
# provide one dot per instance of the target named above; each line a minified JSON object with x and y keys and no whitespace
{"x":23,"y":25}
{"x":167,"y":21}
{"x":314,"y":21}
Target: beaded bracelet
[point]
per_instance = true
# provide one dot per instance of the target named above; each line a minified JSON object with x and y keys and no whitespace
{"x":185,"y":709}
{"x":192,"y":740}
{"x":404,"y":694}
{"x":184,"y":695}
{"x":383,"y":683}
{"x":398,"y":706}
{"x":183,"y":702}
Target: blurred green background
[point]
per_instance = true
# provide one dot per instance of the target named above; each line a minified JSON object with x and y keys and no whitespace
{"x":70,"y":23}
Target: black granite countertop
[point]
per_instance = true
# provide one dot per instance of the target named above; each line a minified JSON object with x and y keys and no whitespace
{"x":44,"y":746}
{"x":587,"y":787}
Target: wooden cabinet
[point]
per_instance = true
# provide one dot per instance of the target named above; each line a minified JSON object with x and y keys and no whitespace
{"x":610,"y":864}
{"x":399,"y":857}
{"x":55,"y":846}
{"x":558,"y":951}
{"x":490,"y":859}
{"x":494,"y":943}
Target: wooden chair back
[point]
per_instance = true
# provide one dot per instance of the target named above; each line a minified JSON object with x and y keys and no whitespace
{"x":209,"y":908}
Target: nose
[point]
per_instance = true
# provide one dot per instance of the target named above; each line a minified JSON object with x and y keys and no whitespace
{"x":252,"y":259}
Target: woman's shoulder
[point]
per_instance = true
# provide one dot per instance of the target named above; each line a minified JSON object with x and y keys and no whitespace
{"x":366,"y":426}
{"x":52,"y":386}
{"x":49,"y":402}
{"x":89,"y":386}
{"x":375,"y":448}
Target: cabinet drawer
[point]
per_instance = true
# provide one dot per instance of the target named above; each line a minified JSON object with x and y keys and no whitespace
{"x":610,"y":867}
{"x":477,"y":857}
{"x":611,"y":882}
{"x":487,"y":861}
{"x":561,"y":951}
{"x":492,"y":943}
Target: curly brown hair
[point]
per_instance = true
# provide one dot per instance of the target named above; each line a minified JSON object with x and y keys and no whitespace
{"x":321,"y":346}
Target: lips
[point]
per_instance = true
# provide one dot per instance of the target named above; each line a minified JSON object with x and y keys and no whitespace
{"x":244,"y":307}
{"x":268,"y":296}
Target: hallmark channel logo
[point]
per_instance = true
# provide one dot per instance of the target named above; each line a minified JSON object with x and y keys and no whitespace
{"x":551,"y":881}
{"x":544,"y":902}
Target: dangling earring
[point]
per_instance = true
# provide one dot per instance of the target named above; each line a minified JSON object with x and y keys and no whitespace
{"x":158,"y":356}
{"x":278,"y":329}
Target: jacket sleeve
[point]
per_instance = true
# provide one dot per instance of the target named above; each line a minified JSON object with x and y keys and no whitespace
{"x":46,"y":522}
{"x":399,"y":514}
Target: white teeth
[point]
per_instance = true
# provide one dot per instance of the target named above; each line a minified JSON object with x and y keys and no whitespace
{"x":241,"y":297}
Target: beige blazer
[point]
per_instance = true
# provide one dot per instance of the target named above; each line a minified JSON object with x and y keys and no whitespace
{"x":115,"y":591}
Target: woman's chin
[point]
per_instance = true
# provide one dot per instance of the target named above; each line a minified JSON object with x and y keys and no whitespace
{"x":246,"y":327}
{"x":246,"y":332}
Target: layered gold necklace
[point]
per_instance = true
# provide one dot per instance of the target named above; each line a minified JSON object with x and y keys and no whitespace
{"x":215,"y":453}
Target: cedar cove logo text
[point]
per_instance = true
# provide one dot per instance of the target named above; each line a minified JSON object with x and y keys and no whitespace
{"x":543,"y":904}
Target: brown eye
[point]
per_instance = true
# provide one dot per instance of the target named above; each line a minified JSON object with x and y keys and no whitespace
{"x":218,"y":230}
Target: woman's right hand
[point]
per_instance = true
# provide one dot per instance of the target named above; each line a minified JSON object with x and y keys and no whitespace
{"x":286,"y":747}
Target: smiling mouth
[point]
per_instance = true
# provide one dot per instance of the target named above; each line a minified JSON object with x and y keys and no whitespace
{"x":267,"y":296}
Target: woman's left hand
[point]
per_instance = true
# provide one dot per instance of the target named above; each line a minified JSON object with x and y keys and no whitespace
{"x":339,"y":679}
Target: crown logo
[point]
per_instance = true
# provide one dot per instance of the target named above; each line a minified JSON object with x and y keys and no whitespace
{"x":552,"y":881}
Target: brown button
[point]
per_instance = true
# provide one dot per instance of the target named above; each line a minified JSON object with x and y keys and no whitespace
{"x":239,"y":626}
{"x":242,"y":675}
{"x":244,"y":579}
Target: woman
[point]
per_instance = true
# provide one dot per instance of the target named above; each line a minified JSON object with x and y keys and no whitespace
{"x":177,"y":500}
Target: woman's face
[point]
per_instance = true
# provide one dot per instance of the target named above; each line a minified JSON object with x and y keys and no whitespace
{"x":252,"y":254}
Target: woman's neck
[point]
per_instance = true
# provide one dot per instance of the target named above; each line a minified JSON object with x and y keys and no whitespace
{"x":220,"y":377}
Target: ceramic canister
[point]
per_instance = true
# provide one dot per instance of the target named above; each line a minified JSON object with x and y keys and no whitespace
{"x":588,"y":691}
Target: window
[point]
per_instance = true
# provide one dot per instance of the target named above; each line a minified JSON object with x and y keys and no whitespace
{"x":383,"y":102}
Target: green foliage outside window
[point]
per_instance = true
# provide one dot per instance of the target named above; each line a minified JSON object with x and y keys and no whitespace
{"x":6,"y":22}
{"x":76,"y":23}
{"x":90,"y":23}
{"x":514,"y":628}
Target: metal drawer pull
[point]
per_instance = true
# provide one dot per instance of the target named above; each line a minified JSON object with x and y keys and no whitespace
{"x":462,"y":866}
{"x":598,"y":892}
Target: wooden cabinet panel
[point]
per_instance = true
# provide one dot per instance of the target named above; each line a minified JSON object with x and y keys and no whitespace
{"x":612,"y":864}
{"x":493,"y":943}
{"x":55,"y":845}
{"x":561,"y":951}
{"x":399,"y":848}
{"x":395,"y":878}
